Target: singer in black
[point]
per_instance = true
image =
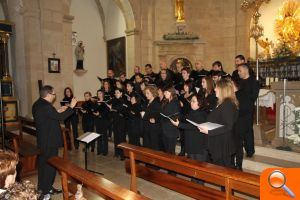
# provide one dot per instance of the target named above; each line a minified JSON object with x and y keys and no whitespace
{"x":88,"y":107}
{"x":221,"y":140}
{"x":73,"y":119}
{"x":49,"y":138}
{"x":151,"y":120}
{"x":247,"y":94}
{"x":134,"y":120}
{"x":170,"y":108}
{"x":118,"y":107}
{"x":102,"y":124}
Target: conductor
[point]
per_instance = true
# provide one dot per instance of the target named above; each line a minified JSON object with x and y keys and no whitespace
{"x":49,"y":138}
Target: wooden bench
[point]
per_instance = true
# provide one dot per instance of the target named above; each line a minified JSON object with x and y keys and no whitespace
{"x":96,"y":183}
{"x":28,"y":151}
{"x":232,"y":180}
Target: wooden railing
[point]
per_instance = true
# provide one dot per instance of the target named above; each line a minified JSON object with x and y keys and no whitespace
{"x":232,"y":180}
{"x":100,"y":185}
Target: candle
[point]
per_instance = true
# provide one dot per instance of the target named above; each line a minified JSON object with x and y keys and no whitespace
{"x":267,"y":81}
{"x":271,"y":80}
{"x":276,"y":79}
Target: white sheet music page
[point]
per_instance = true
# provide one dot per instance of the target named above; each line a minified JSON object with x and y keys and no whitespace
{"x":88,"y":137}
{"x":208,"y":125}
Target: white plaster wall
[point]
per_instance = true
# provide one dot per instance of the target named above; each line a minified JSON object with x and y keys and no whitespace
{"x":114,"y":20}
{"x":87,"y":24}
{"x":267,"y":20}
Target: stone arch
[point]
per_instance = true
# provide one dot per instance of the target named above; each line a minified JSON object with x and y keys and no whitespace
{"x":127,"y":11}
{"x":3,"y":3}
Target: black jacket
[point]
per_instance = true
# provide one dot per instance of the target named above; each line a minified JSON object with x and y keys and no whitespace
{"x":247,"y":95}
{"x":47,"y":122}
{"x":195,"y":141}
{"x":221,"y":143}
{"x":171,"y":109}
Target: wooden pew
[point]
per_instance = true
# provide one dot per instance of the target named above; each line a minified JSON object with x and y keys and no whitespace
{"x":100,"y":185}
{"x":27,"y":151}
{"x":232,"y":180}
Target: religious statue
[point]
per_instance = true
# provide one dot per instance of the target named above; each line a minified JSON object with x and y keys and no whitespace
{"x":266,"y":45}
{"x":79,"y":53}
{"x":179,"y":10}
{"x":79,"y":193}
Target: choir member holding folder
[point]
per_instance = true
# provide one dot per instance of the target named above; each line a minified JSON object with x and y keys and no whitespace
{"x":195,"y":143}
{"x":73,"y":119}
{"x":87,"y":110}
{"x":170,"y":109}
{"x":102,"y":123}
{"x":151,"y":119}
{"x":118,"y":106}
{"x":220,"y":140}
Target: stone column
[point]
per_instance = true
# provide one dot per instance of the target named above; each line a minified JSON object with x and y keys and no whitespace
{"x":133,"y":54}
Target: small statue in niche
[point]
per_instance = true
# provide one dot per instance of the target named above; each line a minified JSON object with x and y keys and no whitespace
{"x":79,"y":193}
{"x":266,"y":45}
{"x":79,"y":54}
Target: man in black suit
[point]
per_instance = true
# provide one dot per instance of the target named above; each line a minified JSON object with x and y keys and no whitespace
{"x":49,"y":138}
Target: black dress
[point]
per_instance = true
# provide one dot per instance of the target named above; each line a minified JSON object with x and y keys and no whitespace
{"x":134,"y":124}
{"x":102,"y":126}
{"x":170,"y":133}
{"x":88,"y":119}
{"x":220,"y":140}
{"x":152,"y":131}
{"x":119,"y":113}
{"x":72,"y":120}
{"x":195,"y":142}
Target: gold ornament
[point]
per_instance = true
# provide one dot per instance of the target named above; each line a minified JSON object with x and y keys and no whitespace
{"x":287,"y":25}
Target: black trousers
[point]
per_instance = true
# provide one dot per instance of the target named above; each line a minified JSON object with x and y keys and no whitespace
{"x":169,"y":144}
{"x":73,"y":120}
{"x":134,"y":131}
{"x":182,"y":143}
{"x":151,"y":136}
{"x":244,"y":137}
{"x":119,"y":128}
{"x":46,"y":173}
{"x":201,"y":156}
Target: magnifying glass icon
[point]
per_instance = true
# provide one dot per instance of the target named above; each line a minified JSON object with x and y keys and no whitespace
{"x":277,"y":180}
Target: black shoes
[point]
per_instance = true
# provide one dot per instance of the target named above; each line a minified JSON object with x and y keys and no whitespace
{"x":55,"y":191}
{"x":250,"y":154}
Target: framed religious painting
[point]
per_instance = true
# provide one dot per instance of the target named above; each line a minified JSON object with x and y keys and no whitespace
{"x":53,"y":65}
{"x":116,"y":55}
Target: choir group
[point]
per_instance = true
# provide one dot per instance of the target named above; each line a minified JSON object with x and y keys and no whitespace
{"x":156,"y":109}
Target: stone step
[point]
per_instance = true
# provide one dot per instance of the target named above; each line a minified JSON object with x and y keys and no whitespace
{"x":266,"y":157}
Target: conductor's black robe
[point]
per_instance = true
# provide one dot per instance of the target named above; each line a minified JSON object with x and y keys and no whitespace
{"x":49,"y":139}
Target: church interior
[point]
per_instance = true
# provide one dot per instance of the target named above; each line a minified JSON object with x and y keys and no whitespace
{"x":110,"y":54}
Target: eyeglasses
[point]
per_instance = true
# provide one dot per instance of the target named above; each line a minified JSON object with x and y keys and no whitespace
{"x":54,"y":94}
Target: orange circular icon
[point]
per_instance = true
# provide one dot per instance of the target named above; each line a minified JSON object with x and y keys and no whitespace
{"x":277,"y":179}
